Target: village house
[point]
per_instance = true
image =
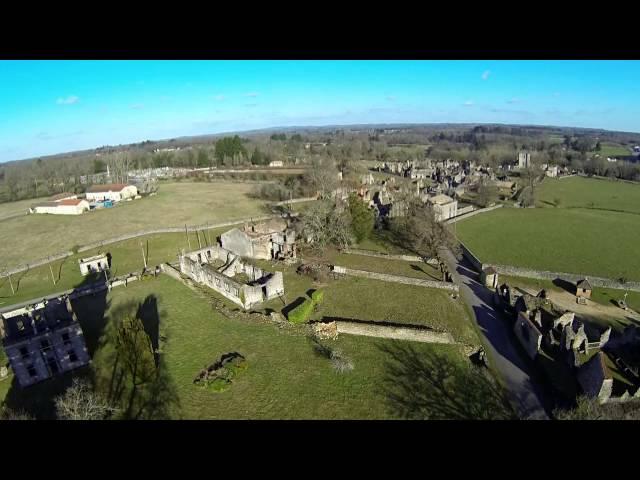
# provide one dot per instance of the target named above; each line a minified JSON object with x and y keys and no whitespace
{"x":524,"y":160}
{"x":114,"y":192}
{"x":583,"y":288}
{"x":43,"y":340}
{"x":489,"y":277}
{"x":69,"y":206}
{"x":224,"y":272}
{"x":268,"y":240}
{"x":96,"y":263}
{"x":444,"y":207}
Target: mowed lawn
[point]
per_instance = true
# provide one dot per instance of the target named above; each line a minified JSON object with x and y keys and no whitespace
{"x":285,"y":378}
{"x":594,"y":230}
{"x":580,"y":192}
{"x":32,"y":237}
{"x":580,"y":241}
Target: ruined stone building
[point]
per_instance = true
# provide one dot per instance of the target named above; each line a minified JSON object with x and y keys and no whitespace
{"x":96,"y":263}
{"x":268,"y":240}
{"x":444,"y":207}
{"x":524,"y":160}
{"x":43,"y":340}
{"x":224,"y":272}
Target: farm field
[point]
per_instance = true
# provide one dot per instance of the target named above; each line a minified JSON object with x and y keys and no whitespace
{"x":599,"y":241}
{"x":418,"y":270}
{"x":593,"y":193}
{"x":176,"y":204}
{"x":126,"y":258}
{"x":609,"y":149}
{"x":286,"y":378}
{"x":9,"y":209}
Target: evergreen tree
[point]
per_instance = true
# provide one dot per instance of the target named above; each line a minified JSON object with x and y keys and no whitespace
{"x":362,"y":218}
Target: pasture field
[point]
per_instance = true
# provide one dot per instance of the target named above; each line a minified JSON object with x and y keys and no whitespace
{"x":609,"y":149}
{"x":33,"y":237}
{"x":10,"y":209}
{"x":287,"y":376}
{"x":594,"y":231}
{"x":126,"y":258}
{"x":593,"y":193}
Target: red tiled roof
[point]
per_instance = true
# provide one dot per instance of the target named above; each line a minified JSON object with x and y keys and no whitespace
{"x":71,"y":201}
{"x":109,"y":187}
{"x":61,"y":196}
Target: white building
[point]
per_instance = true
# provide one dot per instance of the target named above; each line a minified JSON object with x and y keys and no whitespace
{"x":444,"y":207}
{"x":276,"y":163}
{"x":524,"y":160}
{"x":61,"y":207}
{"x":112,"y":191}
{"x":97,"y":263}
{"x":552,"y":171}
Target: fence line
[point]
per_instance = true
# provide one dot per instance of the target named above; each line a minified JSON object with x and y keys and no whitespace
{"x":395,"y":278}
{"x":128,"y":236}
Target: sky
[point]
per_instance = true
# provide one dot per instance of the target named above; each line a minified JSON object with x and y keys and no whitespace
{"x":49,"y":107}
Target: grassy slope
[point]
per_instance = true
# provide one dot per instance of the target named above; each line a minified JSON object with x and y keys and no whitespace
{"x":285,"y":378}
{"x":22,"y":239}
{"x":595,"y":241}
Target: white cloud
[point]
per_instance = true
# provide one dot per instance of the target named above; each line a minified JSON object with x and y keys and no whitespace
{"x":468,"y":103}
{"x":485,"y":75}
{"x":70,"y":100}
{"x":251,"y":94}
{"x":219,"y":98}
{"x":514,"y":100}
{"x":137,"y":106}
{"x":391,"y":98}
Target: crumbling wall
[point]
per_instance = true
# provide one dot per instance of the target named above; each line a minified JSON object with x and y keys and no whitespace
{"x":528,"y":335}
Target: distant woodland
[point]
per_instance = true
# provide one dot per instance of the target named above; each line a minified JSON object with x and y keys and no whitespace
{"x":343,"y":148}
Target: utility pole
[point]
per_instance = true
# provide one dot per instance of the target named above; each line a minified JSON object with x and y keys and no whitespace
{"x":11,"y":284}
{"x":52,"y":276}
{"x":144,"y":259}
{"x":186,"y":232}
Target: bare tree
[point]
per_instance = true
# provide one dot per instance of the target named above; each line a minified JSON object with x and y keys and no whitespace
{"x":80,"y":402}
{"x":323,"y":176}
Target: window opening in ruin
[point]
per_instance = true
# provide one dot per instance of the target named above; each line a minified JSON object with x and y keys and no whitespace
{"x":72,"y":356}
{"x":32,"y":371}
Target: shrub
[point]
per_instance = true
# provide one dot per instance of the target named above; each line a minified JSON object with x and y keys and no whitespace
{"x":340,"y":362}
{"x":75,"y":249}
{"x":302,"y":312}
{"x":317,"y":296}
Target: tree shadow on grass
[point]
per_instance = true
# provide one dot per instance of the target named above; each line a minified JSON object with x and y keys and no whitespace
{"x":140,"y":391}
{"x":428,"y":385}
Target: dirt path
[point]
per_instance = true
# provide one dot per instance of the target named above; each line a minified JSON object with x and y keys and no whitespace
{"x":567,"y":301}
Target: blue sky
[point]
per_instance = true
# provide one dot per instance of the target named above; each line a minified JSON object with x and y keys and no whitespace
{"x":50,"y":107}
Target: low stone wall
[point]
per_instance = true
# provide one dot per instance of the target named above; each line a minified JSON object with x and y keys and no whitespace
{"x":468,"y":254}
{"x":395,"y":278}
{"x":471,"y":214}
{"x":295,"y":200}
{"x":388,"y":256}
{"x":569,"y":277}
{"x":400,"y":332}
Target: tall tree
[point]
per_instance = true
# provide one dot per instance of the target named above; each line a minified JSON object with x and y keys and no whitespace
{"x":362,"y":218}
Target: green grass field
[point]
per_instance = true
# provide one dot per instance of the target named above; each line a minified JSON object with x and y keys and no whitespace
{"x":599,"y":241}
{"x":126,"y":258}
{"x":34,"y":237}
{"x":609,"y":149}
{"x":580,"y":192}
{"x":10,"y":209}
{"x":286,"y":378}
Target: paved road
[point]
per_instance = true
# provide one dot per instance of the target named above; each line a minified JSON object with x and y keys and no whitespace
{"x":527,"y":396}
